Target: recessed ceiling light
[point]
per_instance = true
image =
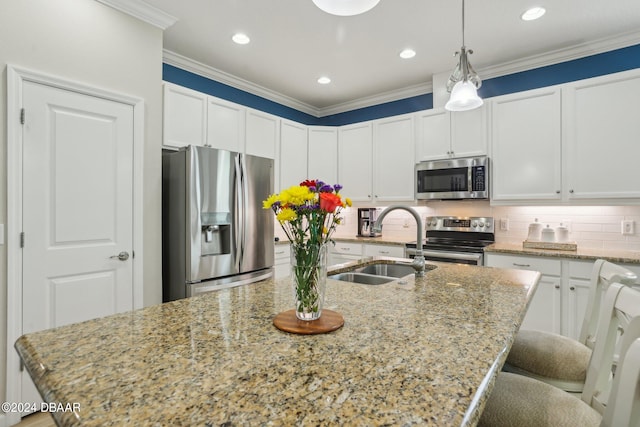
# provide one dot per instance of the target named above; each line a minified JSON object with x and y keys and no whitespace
{"x":324,"y":80}
{"x":241,"y":38}
{"x":407,"y":53}
{"x":533,"y":13}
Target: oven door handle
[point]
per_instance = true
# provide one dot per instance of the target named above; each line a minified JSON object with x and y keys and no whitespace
{"x":452,"y":255}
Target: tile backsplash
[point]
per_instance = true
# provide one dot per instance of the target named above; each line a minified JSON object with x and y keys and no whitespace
{"x":590,"y":226}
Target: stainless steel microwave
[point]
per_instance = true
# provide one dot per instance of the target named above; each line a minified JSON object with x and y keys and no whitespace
{"x":453,"y":179}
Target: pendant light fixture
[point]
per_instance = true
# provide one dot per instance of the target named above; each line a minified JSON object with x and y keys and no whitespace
{"x":346,"y":7}
{"x":464,"y":82}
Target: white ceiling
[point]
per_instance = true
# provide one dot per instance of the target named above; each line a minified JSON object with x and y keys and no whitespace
{"x":293,"y":43}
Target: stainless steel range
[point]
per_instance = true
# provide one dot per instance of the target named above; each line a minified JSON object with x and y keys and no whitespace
{"x":455,"y":239}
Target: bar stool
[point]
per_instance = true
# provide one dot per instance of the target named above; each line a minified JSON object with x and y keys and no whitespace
{"x":520,"y":401}
{"x":562,"y":361}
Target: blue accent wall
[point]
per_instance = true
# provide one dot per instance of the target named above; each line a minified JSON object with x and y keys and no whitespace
{"x":591,"y":66}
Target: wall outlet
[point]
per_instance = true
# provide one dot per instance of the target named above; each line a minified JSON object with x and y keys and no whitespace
{"x":504,"y":224}
{"x":628,"y":227}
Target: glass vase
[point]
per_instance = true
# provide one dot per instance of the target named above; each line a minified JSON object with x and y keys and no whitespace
{"x":309,"y":278}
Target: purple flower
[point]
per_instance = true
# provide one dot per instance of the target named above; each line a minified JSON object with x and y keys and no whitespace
{"x":326,"y":189}
{"x":337,"y":187}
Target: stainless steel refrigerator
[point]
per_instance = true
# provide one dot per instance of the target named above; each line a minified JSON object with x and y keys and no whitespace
{"x":215,"y":232}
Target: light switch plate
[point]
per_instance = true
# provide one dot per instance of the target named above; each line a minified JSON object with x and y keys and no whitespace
{"x":504,"y":224}
{"x":628,"y":227}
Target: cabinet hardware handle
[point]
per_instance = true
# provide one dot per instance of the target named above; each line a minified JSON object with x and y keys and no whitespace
{"x":278,"y":253}
{"x":571,"y":191}
{"x":557,"y":191}
{"x":384,"y":252}
{"x":557,"y":286}
{"x":573,"y":288}
{"x":346,"y":249}
{"x":521,"y":265}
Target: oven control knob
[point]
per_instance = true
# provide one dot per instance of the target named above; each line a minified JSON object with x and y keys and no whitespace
{"x":474,"y":224}
{"x":488,"y":224}
{"x":481,"y":225}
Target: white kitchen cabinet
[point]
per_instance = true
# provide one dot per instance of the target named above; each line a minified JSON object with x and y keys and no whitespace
{"x":355,"y":161}
{"x":343,"y":252}
{"x":225,"y":125}
{"x":323,"y":153}
{"x":184,"y":117}
{"x":292,"y":159}
{"x":394,"y":159}
{"x":262,"y":134}
{"x":545,"y":310}
{"x":602,"y":128}
{"x":576,"y":296}
{"x":282,"y":260}
{"x":442,"y":134}
{"x":383,"y":250}
{"x":526,"y":146}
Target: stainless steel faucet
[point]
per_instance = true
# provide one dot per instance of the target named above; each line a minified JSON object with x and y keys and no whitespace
{"x":418,"y":262}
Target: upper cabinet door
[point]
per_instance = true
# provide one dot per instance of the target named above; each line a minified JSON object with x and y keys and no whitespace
{"x":394,"y":159}
{"x":185,"y":117}
{"x":262,"y":134}
{"x":433,"y":132}
{"x":603,"y":136}
{"x":526,"y":146}
{"x":323,"y":154}
{"x":225,"y":125}
{"x":355,"y":161}
{"x":292,"y":161}
{"x":469,"y":132}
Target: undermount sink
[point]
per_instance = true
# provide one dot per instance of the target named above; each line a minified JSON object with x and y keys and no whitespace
{"x":389,"y":270}
{"x":377,"y":274}
{"x":365,"y":279}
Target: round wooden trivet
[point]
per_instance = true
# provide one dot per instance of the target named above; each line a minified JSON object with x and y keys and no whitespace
{"x":329,"y":321}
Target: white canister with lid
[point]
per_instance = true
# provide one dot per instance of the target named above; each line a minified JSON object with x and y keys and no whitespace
{"x":548,"y":234}
{"x":535,"y":228}
{"x":562,"y":234}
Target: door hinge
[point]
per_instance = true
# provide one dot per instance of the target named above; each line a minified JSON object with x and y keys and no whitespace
{"x":22,"y":116}
{"x":22,"y":239}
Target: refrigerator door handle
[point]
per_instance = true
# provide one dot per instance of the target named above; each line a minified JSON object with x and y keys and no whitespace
{"x":245,"y":207}
{"x":239,"y":212}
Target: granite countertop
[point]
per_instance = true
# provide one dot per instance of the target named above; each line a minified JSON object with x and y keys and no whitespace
{"x":612,"y":255}
{"x":425,"y":352}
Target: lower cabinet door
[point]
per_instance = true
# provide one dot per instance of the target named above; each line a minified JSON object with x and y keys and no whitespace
{"x":544,"y":310}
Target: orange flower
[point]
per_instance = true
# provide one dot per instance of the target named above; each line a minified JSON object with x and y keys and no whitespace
{"x":329,"y":202}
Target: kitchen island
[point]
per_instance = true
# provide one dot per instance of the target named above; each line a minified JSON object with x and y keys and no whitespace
{"x":421,"y":352}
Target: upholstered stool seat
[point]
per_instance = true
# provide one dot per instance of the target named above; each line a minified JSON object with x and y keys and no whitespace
{"x":521,"y":401}
{"x":560,"y":361}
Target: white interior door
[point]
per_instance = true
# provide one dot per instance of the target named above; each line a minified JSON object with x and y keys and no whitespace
{"x":77,"y":209}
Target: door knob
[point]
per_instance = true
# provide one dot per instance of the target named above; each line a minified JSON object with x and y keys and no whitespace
{"x":122,"y":256}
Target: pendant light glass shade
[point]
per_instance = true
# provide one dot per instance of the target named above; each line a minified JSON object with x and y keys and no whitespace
{"x":464,"y":82}
{"x":346,"y":7}
{"x":464,"y":96}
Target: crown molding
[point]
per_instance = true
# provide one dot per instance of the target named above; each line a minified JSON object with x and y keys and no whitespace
{"x":381,"y":98}
{"x":143,"y":11}
{"x":531,"y":62}
{"x":220,"y":76}
{"x":561,"y":55}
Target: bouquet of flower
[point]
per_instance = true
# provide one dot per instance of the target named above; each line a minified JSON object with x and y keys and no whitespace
{"x":309,"y":214}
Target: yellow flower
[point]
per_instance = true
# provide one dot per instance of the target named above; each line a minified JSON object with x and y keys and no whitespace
{"x":286,"y":214}
{"x":266,"y":204}
{"x":347,"y":201}
{"x":296,"y":195}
